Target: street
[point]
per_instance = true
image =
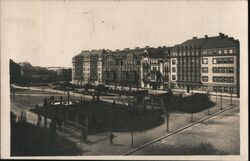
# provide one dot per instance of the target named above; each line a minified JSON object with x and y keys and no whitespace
{"x":217,"y":136}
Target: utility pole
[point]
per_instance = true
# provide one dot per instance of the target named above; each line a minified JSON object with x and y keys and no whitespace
{"x":86,"y":126}
{"x":221,"y":101}
{"x":208,"y":94}
{"x":216,"y":92}
{"x":132,"y":138}
{"x":231,"y":98}
{"x":167,"y":125}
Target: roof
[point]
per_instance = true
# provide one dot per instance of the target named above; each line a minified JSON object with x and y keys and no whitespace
{"x":157,"y":52}
{"x":206,"y":42}
{"x":87,"y":53}
{"x":217,"y":42}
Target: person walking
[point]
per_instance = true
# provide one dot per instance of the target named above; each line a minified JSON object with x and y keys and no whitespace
{"x":39,"y":119}
{"x":111,"y":138}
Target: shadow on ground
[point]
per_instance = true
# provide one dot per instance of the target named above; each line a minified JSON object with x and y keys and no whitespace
{"x":29,"y":140}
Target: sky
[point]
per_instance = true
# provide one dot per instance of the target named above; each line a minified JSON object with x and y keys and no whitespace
{"x":49,"y":33}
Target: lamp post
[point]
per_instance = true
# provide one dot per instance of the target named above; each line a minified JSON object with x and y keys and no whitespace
{"x":216,"y":92}
{"x":132,"y":138}
{"x":231,"y":98}
{"x":221,"y":101}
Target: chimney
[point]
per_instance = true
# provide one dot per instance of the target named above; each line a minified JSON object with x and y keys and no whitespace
{"x":194,"y":37}
{"x":221,"y":35}
{"x":206,"y":36}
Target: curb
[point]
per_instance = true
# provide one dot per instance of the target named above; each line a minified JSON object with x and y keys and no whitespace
{"x":178,"y":130}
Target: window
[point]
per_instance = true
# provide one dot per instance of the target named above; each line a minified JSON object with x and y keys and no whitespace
{"x":226,"y":70}
{"x":173,"y":77}
{"x":204,"y":52}
{"x":231,"y":51}
{"x":225,"y":60}
{"x":226,"y":79}
{"x":225,"y":51}
{"x":214,"y":79}
{"x":214,"y":88}
{"x":225,"y":89}
{"x":204,"y":60}
{"x":231,"y":80}
{"x":220,"y":89}
{"x":215,"y":70}
{"x":173,"y":69}
{"x":173,"y":62}
{"x":231,"y":69}
{"x":192,"y":61}
{"x":214,"y":61}
{"x":219,"y":79}
{"x":219,"y":60}
{"x":231,"y":60}
{"x":205,"y":70}
{"x":219,"y":51}
{"x":214,"y":52}
{"x":231,"y":89}
{"x":219,"y":70}
{"x":205,"y":78}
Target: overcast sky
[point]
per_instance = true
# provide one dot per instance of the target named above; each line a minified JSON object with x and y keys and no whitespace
{"x":50,"y":33}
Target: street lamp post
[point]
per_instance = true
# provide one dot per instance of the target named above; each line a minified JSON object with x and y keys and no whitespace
{"x":132,"y":138}
{"x":231,"y":98}
{"x":221,"y":101}
{"x":216,"y":93}
{"x":167,"y":123}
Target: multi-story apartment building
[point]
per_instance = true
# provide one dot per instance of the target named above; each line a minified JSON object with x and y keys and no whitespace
{"x":87,"y":67}
{"x":123,"y":67}
{"x":155,"y":68}
{"x":220,"y":64}
{"x":185,"y":64}
{"x":208,"y":64}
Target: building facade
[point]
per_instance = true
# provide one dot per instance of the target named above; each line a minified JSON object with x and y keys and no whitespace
{"x":87,"y":67}
{"x":123,"y":67}
{"x":207,"y":64}
{"x":155,"y":68}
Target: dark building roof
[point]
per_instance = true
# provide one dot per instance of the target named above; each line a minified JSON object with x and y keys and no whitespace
{"x":220,"y":42}
{"x":206,"y":42}
{"x":157,"y":52}
{"x":90,"y":52}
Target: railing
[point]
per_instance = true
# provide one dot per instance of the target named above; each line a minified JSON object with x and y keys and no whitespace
{"x":73,"y":125}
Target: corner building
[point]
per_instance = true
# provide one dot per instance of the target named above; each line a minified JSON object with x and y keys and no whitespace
{"x":207,"y":64}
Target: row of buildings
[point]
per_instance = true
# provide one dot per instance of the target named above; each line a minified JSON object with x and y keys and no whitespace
{"x":208,"y":63}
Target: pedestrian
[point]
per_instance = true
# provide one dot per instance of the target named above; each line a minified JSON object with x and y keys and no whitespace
{"x":111,"y":138}
{"x":39,"y":119}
